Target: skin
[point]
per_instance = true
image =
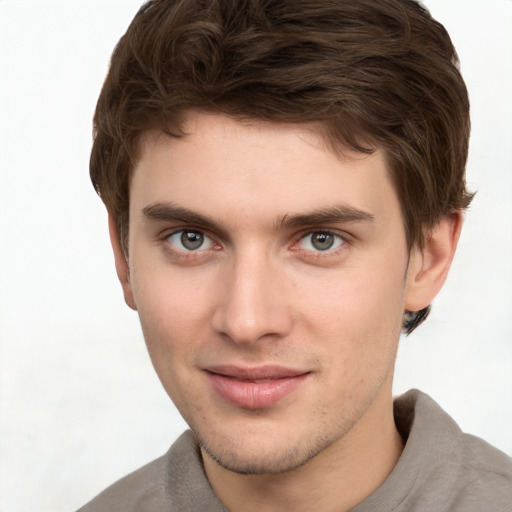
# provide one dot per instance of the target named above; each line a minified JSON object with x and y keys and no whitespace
{"x":259,"y":292}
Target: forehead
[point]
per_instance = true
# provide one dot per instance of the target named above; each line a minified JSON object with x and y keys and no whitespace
{"x":226,"y":166}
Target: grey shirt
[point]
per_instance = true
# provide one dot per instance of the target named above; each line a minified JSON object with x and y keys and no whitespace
{"x":441,"y":469}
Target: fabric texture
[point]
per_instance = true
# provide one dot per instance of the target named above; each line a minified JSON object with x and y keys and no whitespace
{"x":440,"y":470}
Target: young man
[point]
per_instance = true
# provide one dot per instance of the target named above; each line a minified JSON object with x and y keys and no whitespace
{"x":285,"y":187}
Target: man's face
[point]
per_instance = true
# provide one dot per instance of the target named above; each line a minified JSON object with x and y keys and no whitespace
{"x":270,"y":278}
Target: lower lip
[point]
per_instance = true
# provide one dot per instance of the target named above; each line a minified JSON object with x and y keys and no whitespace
{"x":254,"y":395}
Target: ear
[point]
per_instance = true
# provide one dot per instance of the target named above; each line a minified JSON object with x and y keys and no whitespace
{"x":429,"y":266}
{"x":122,"y":268}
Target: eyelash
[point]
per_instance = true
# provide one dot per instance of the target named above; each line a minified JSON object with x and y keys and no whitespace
{"x":185,"y":254}
{"x":337,"y":239}
{"x":190,"y":255}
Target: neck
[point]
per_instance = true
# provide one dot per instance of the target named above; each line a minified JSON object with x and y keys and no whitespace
{"x":337,"y":479}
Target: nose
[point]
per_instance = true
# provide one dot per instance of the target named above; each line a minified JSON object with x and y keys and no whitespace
{"x":253,"y":302}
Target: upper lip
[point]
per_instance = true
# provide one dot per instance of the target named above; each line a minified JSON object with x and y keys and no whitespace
{"x":266,"y":372}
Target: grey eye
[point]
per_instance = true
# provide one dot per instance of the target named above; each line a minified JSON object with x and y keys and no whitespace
{"x":321,"y":241}
{"x":190,"y":240}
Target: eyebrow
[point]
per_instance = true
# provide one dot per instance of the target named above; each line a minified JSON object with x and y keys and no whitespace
{"x":169,"y":212}
{"x":337,"y":214}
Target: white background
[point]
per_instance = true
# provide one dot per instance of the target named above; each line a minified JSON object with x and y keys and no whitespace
{"x":80,"y":404}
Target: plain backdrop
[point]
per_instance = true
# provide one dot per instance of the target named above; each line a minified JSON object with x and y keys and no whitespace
{"x":80,"y":403}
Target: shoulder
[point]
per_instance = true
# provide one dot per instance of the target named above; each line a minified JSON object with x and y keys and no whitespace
{"x":174,"y":482}
{"x":486,"y":472}
{"x":468,"y":472}
{"x":144,"y":489}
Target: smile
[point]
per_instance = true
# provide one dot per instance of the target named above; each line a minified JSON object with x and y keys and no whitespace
{"x":255,"y":388}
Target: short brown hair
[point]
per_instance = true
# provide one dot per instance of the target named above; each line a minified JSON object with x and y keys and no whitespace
{"x":370,"y":73}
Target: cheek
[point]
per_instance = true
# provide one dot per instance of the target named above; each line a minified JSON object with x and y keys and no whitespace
{"x":357,"y":328}
{"x":358,"y":312}
{"x":356,"y":299}
{"x":170,"y":322}
{"x":173,"y":312}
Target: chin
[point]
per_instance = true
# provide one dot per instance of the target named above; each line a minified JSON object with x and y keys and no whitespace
{"x":261,"y":460}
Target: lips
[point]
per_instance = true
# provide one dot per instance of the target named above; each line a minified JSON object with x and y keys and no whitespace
{"x":254,"y":388}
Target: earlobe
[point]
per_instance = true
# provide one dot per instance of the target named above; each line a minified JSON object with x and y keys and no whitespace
{"x":122,"y":268}
{"x":429,"y":266}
